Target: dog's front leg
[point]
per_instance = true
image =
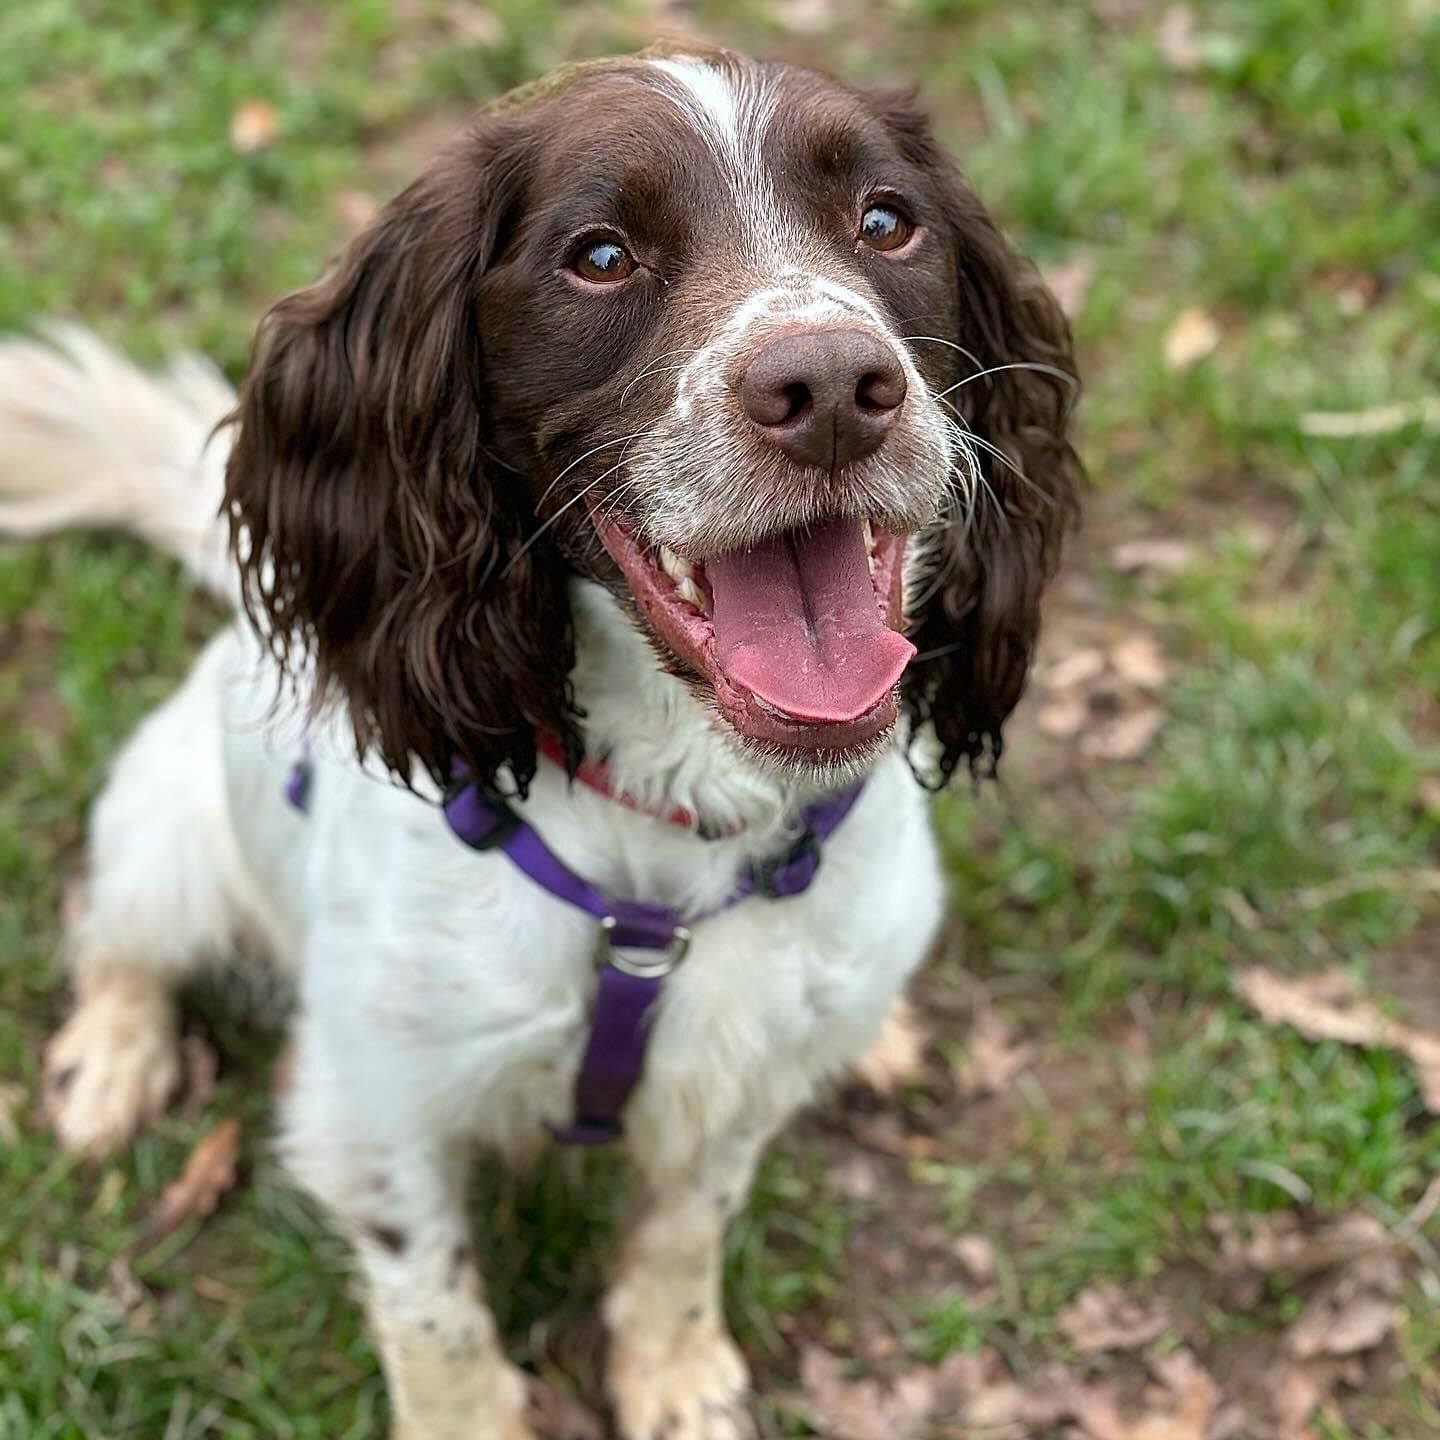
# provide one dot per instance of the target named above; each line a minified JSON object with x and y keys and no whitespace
{"x":674,"y":1371}
{"x":403,"y":1205}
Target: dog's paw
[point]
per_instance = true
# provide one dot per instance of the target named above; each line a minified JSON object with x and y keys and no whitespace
{"x":114,"y":1065}
{"x":699,"y":1392}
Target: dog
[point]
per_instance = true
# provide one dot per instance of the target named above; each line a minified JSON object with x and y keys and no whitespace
{"x":648,"y":507}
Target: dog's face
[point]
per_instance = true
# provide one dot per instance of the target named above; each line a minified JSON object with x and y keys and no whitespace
{"x":712,"y":334}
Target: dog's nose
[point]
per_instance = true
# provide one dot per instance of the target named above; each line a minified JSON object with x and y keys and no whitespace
{"x":826,"y":397}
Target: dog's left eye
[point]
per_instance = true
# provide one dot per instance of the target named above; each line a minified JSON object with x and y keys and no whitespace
{"x":883,"y":227}
{"x":602,"y":262}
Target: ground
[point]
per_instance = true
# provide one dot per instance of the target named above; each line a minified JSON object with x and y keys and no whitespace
{"x":1227,"y":771}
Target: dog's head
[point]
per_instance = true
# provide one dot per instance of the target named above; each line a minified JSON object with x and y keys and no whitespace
{"x":729,"y":338}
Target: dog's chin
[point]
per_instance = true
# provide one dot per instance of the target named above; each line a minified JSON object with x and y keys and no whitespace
{"x":792,"y":643}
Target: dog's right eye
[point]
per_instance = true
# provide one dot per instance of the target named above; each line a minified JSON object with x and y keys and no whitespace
{"x":602,"y":262}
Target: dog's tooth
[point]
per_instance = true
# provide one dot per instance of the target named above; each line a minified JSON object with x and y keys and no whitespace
{"x":691,"y":593}
{"x":673,"y":565}
{"x":868,"y":533}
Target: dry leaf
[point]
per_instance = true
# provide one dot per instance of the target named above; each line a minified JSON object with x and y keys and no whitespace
{"x":1159,"y":557}
{"x":208,"y":1174}
{"x":1295,"y":1393}
{"x":1140,"y":661}
{"x":849,"y":1409}
{"x":12,"y":1097}
{"x":992,"y":1057}
{"x":962,"y":1388}
{"x":1105,"y":1318}
{"x":1382,"y":420}
{"x":1069,"y":283}
{"x":356,"y":208}
{"x":1281,"y":1242}
{"x":1326,"y":1007}
{"x":200,"y":1068}
{"x":476,"y":24}
{"x":558,"y":1416}
{"x":1126,"y":737}
{"x":1077,"y":668}
{"x":977,"y":1255}
{"x":1429,"y":792}
{"x":896,"y":1057}
{"x":1191,"y":337}
{"x":1183,"y":1409}
{"x":805,"y":17}
{"x":1354,"y":1309}
{"x":254,"y":125}
{"x":1063,"y":718}
{"x":1175,"y":39}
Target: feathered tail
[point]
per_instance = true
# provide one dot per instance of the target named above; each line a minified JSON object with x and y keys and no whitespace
{"x":88,"y":440}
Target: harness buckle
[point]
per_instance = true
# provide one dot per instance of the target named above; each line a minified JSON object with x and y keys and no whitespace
{"x":644,"y":961}
{"x":791,"y":872}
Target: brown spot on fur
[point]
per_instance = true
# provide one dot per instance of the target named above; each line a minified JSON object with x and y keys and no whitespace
{"x":388,"y":1238}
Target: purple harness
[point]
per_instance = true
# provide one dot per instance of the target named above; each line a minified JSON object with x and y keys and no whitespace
{"x":640,"y":942}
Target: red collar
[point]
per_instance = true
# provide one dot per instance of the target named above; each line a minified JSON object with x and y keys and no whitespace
{"x":594,"y":774}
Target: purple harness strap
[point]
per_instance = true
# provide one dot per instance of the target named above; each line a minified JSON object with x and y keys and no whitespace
{"x":640,"y":943}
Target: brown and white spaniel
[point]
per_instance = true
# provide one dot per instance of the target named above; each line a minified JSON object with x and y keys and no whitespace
{"x":668,"y":477}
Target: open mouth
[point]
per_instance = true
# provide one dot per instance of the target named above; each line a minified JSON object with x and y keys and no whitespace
{"x":797,"y":636}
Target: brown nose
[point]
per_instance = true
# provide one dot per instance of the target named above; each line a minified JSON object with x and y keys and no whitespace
{"x":826,"y":397}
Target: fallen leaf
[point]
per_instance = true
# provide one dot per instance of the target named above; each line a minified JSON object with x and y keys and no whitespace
{"x":356,"y":208}
{"x":476,"y":24}
{"x":1106,"y":1318}
{"x":964,"y":1388}
{"x":992,"y":1056}
{"x":1160,"y":557}
{"x":1381,"y":420}
{"x":200,"y":1068}
{"x":1353,"y":1310}
{"x":1069,"y":283}
{"x":896,"y":1057}
{"x":1064,"y":717}
{"x":1175,"y":39}
{"x":1139,"y":660}
{"x":208,"y":1174}
{"x":12,"y":1097}
{"x":1429,"y":792}
{"x":1295,"y":1394}
{"x":804,"y":17}
{"x":556,"y":1415}
{"x":1192,"y":335}
{"x":1077,"y":668}
{"x":977,"y":1255}
{"x":848,"y":1409}
{"x":1281,"y":1242}
{"x":859,"y":1177}
{"x":1327,"y":1007}
{"x":1126,"y":737}
{"x":254,"y":125}
{"x":1182,"y":1409}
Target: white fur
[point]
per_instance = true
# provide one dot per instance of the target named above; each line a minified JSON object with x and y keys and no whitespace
{"x":730,"y":109}
{"x":443,"y":996}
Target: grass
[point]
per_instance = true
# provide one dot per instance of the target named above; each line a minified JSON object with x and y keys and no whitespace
{"x":1286,"y":182}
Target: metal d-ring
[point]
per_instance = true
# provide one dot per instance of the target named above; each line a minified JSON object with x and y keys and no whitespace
{"x":643,"y":962}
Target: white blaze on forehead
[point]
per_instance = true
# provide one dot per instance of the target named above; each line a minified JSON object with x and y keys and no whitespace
{"x":730,"y":113}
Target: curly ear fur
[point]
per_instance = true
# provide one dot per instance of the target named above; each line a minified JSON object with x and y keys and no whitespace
{"x":374,"y":533}
{"x":977,"y":630}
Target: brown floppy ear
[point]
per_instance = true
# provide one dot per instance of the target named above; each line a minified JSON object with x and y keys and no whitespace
{"x":376,"y":536}
{"x":988,"y":567}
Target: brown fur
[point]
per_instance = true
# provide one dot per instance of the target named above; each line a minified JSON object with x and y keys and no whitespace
{"x":405,"y":415}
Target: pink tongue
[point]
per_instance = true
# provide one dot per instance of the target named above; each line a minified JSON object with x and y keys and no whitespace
{"x":798,"y":624}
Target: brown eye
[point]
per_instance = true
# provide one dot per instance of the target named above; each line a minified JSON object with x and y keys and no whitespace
{"x":603,"y":262}
{"x":882,"y":227}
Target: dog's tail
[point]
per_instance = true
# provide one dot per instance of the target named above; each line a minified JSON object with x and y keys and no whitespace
{"x":89,"y":440}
